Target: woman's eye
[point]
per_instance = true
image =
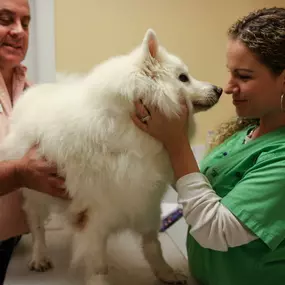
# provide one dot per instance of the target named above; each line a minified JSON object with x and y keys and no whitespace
{"x":244,"y":77}
{"x":183,"y":78}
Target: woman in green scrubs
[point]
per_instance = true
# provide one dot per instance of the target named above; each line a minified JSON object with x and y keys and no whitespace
{"x":234,"y":203}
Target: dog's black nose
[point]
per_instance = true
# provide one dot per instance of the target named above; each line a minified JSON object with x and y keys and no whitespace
{"x":218,"y":90}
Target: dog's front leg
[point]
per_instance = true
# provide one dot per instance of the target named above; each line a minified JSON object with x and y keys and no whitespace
{"x":153,"y":254}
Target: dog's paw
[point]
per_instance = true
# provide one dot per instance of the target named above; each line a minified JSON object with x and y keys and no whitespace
{"x":171,"y":277}
{"x":41,"y":265}
{"x":98,"y":279}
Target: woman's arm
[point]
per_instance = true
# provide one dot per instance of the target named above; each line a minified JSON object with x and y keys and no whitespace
{"x":212,"y":224}
{"x":182,"y":158}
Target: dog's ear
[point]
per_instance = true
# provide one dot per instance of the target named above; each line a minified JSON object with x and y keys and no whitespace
{"x":150,"y":43}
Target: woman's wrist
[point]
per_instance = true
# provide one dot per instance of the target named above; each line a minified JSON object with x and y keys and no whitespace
{"x":182,"y":158}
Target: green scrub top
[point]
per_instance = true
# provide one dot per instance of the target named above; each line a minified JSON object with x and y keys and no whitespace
{"x":250,"y":179}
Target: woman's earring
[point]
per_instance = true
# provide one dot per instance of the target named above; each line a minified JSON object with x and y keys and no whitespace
{"x":282,"y":102}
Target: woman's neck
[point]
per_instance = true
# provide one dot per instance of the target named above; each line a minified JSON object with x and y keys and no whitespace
{"x":268,"y":125}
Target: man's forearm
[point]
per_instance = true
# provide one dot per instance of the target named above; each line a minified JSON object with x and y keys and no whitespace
{"x":8,"y":177}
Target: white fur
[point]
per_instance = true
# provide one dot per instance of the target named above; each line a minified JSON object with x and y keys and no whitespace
{"x":113,"y":170}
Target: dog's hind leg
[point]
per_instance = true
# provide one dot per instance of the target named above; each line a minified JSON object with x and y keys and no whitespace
{"x":153,"y":254}
{"x":90,"y":248}
{"x":36,"y":215}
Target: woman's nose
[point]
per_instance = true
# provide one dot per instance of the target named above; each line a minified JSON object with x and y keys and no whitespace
{"x":228,"y":89}
{"x":231,"y":86}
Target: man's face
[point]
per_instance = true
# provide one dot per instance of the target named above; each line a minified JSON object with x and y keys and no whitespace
{"x":14,"y":31}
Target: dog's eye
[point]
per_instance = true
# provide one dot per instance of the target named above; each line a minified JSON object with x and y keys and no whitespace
{"x":183,"y":77}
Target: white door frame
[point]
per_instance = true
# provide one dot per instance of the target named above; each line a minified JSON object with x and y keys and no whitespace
{"x":40,"y":59}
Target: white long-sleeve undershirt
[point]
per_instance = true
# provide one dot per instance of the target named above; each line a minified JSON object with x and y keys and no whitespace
{"x":212,"y":224}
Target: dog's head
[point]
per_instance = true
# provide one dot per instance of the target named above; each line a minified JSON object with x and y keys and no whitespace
{"x":157,"y":77}
{"x":160,"y":78}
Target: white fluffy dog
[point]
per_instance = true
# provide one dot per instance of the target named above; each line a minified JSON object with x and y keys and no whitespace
{"x":115,"y":173}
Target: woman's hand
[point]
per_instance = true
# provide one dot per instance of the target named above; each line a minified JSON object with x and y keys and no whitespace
{"x":40,"y":175}
{"x":170,"y":132}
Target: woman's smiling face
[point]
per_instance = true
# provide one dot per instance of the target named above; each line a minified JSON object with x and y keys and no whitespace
{"x":255,"y":90}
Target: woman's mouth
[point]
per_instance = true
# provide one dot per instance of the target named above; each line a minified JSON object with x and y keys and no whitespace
{"x":237,"y":102}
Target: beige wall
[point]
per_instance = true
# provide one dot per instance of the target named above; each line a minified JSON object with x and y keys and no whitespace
{"x":89,"y":31}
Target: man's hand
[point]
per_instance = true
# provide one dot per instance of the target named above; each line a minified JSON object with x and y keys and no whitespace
{"x":40,"y":175}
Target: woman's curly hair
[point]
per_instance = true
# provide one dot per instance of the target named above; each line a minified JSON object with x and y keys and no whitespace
{"x":263,"y":33}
